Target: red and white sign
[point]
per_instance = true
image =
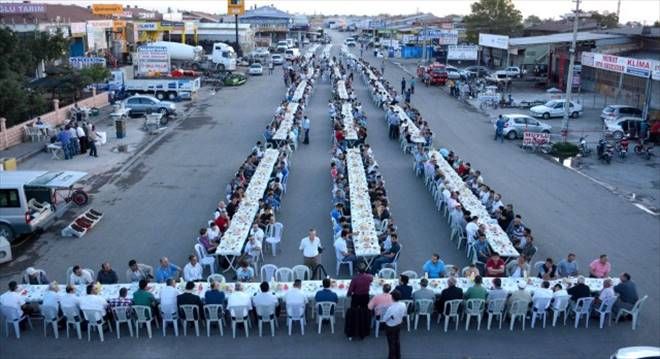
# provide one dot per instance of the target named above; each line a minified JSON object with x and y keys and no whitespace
{"x":533,"y":139}
{"x":626,"y":65}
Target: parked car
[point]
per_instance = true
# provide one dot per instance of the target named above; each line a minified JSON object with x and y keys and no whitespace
{"x":455,"y":74}
{"x":637,"y":353}
{"x":350,"y":42}
{"x":618,"y":127}
{"x":513,"y":71}
{"x":555,"y":108}
{"x":261,"y":51}
{"x":292,"y":53}
{"x":277,"y":59}
{"x":612,"y":112}
{"x":139,"y":105}
{"x":255,"y":69}
{"x":476,"y":71}
{"x":516,"y":124}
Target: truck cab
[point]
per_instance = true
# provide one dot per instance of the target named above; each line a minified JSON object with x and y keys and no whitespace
{"x":434,"y":74}
{"x":224,"y":57}
{"x":26,"y":200}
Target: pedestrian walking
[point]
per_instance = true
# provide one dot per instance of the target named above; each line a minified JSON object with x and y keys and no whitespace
{"x":393,"y":319}
{"x":305,"y":126}
{"x":403,"y":84}
{"x":382,"y":68}
{"x":407,"y":95}
{"x":271,"y":67}
{"x":311,"y":248}
{"x":499,"y":129}
{"x":412,"y":85}
{"x":91,"y":137}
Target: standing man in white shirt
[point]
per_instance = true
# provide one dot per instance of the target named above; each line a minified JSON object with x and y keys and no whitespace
{"x":168,"y":296}
{"x":93,"y":301}
{"x":193,"y":271}
{"x":311,"y":248}
{"x":393,"y":318}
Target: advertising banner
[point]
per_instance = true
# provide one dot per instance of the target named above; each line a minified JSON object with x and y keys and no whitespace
{"x":25,"y":8}
{"x":462,"y":52}
{"x":147,"y":26}
{"x":533,"y":139}
{"x":81,"y":62}
{"x":444,"y":37}
{"x":107,"y":9}
{"x":153,"y":59}
{"x":78,"y":28}
{"x":496,"y":41}
{"x":626,"y":65}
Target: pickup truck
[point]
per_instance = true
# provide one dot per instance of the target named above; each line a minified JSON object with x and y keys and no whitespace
{"x":512,"y":71}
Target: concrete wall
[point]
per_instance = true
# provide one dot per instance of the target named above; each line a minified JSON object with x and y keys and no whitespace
{"x":15,"y":135}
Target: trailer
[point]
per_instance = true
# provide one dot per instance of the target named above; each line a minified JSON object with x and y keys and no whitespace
{"x":179,"y":88}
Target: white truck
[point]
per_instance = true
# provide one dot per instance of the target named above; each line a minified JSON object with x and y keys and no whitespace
{"x":161,"y":88}
{"x":222,"y":58}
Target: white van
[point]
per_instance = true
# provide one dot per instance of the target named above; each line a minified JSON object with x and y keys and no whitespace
{"x":292,"y":53}
{"x":26,"y":199}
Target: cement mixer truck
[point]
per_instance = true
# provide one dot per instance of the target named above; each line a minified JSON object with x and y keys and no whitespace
{"x":221,"y":59}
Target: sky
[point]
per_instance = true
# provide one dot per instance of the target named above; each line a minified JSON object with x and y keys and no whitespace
{"x":644,"y":11}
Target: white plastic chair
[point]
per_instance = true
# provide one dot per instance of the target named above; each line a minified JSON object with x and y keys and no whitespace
{"x":634,"y":311}
{"x":284,"y":274}
{"x":423,"y":308}
{"x":387,"y":273}
{"x":170,"y":315}
{"x":559,"y":306}
{"x":190,"y":314}
{"x":378,"y":318}
{"x":51,"y":317}
{"x":341,"y":262}
{"x":395,"y":263}
{"x":266,"y":315}
{"x":518,"y":310}
{"x":326,"y":311}
{"x":301,"y":272}
{"x":583,"y":308}
{"x":73,"y":319}
{"x":409,"y":308}
{"x":410,"y":274}
{"x":239,"y":315}
{"x":204,"y":258}
{"x":216,"y":278}
{"x":451,"y":310}
{"x":495,"y":309}
{"x":122,"y":315}
{"x":474,"y":308}
{"x":605,"y":310}
{"x":142,"y":316}
{"x":13,"y":316}
{"x":94,"y":320}
{"x":540,"y":309}
{"x":276,"y":237}
{"x":296,"y":313}
{"x":214,"y":313}
{"x":267,"y":272}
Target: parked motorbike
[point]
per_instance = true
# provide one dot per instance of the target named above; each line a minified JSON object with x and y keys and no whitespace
{"x":583,"y":147}
{"x":622,"y":147}
{"x":645,"y":151}
{"x":605,"y":151}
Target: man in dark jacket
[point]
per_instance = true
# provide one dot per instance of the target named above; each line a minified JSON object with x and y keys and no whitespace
{"x":107,"y":275}
{"x":627,"y":292}
{"x":188,"y":297}
{"x":450,"y":293}
{"x":580,"y":290}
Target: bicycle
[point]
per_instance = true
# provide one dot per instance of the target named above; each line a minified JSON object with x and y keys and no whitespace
{"x":70,"y":194}
{"x":488,"y":103}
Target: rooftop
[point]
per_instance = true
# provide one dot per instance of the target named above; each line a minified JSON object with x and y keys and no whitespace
{"x":267,"y":12}
{"x":559,"y":38}
{"x":54,"y":13}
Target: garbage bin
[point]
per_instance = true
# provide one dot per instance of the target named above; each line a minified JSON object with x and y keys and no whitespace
{"x":120,"y":127}
{"x":5,"y":250}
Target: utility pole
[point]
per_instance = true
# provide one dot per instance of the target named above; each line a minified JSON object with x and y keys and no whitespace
{"x":571,"y":64}
{"x":238,"y":46}
{"x":618,"y":10}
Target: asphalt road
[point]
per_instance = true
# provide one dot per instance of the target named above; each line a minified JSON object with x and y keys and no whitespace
{"x":158,"y":204}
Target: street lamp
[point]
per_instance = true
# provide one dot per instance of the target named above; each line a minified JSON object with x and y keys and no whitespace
{"x":571,"y":65}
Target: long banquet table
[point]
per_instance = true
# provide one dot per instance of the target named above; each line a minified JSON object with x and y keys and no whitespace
{"x":365,"y":238}
{"x":35,"y":293}
{"x":282,"y":132}
{"x":415,"y":135}
{"x":232,"y":241}
{"x":350,"y":132}
{"x":300,"y":91}
{"x":341,"y":90}
{"x":497,"y":239}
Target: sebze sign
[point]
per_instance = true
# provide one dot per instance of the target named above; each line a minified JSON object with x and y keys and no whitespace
{"x":625,"y":65}
{"x":22,"y":8}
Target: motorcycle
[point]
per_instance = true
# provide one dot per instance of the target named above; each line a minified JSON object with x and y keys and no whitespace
{"x":583,"y":147}
{"x":605,"y":151}
{"x":644,"y":150}
{"x":622,"y":147}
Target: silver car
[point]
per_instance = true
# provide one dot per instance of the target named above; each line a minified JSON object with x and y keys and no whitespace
{"x":515,"y":125}
{"x":140,"y":105}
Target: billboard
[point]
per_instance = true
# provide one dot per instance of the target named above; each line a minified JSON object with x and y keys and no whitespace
{"x":444,"y":37}
{"x":147,"y":26}
{"x":496,"y":41}
{"x":462,"y":52}
{"x":81,"y":62}
{"x":626,"y":65}
{"x":78,"y":28}
{"x":153,"y":59}
{"x":235,"y":7}
{"x":25,"y":8}
{"x":107,"y":9}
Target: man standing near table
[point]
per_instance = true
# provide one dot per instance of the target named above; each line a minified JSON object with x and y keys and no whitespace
{"x":393,"y":318}
{"x":305,"y":125}
{"x":311,"y":248}
{"x":499,"y":129}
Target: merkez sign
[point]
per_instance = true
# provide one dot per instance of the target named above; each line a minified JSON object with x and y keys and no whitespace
{"x":625,"y":65}
{"x":12,"y":8}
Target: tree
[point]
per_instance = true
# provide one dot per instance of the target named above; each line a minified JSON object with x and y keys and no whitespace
{"x":606,"y":20}
{"x":493,"y":17}
{"x":532,"y":20}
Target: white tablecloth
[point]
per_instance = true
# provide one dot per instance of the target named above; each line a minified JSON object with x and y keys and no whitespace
{"x":497,"y":239}
{"x":35,"y":293}
{"x":235,"y":236}
{"x":300,"y":91}
{"x":326,"y":51}
{"x":365,"y":237}
{"x":407,"y":122}
{"x":282,"y":132}
{"x":341,"y":90}
{"x":350,"y":133}
{"x":310,"y":52}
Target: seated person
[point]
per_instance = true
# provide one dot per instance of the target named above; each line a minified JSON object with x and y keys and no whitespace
{"x":386,"y":256}
{"x":495,"y":266}
{"x":244,"y":273}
